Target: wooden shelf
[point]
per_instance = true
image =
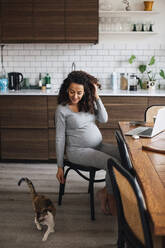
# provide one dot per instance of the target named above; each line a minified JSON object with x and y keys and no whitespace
{"x":132,"y":33}
{"x":128,"y":12}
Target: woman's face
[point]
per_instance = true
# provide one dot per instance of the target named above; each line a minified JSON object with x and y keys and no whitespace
{"x":76,"y":92}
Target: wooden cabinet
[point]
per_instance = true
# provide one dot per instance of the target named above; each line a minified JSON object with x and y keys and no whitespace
{"x":16,"y":16}
{"x":27,"y":123}
{"x":121,"y":109}
{"x":0,"y":24}
{"x":156,"y":101}
{"x":52,"y":105}
{"x":31,"y":144}
{"x":49,"y":21}
{"x":23,"y":112}
{"x":81,"y":20}
{"x":24,"y":127}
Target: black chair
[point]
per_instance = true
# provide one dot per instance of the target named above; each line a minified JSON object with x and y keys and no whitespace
{"x":78,"y":168}
{"x":133,"y":218}
{"x":123,"y":150}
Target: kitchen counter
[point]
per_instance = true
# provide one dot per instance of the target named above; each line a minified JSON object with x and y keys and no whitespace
{"x":50,"y":92}
{"x":27,"y":126}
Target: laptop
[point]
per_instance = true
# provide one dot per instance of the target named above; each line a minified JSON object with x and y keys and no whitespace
{"x":149,"y":132}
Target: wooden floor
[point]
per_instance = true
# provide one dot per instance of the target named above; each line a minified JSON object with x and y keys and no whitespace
{"x":73,"y":225}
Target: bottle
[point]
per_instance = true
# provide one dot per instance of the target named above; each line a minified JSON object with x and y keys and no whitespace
{"x":114,"y":80}
{"x":3,"y":80}
{"x":40,"y":81}
{"x":48,"y":81}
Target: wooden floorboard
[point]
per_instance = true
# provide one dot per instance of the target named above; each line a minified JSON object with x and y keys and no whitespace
{"x":73,"y":225}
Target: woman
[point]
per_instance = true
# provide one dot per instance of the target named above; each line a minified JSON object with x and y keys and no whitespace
{"x":79,"y":107}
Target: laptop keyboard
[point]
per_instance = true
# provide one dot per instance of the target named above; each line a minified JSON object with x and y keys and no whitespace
{"x":146,"y":132}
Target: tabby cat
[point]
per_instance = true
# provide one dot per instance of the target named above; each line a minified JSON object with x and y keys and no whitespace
{"x":43,"y":208}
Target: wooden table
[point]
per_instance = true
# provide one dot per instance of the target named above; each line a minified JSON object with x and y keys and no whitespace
{"x":150,"y":169}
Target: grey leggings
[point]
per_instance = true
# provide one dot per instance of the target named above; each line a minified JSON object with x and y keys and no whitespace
{"x":97,"y":157}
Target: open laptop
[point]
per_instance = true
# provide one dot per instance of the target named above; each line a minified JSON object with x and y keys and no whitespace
{"x":149,"y":132}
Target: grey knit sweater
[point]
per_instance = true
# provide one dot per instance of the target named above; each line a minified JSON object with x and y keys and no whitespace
{"x":77,"y":129}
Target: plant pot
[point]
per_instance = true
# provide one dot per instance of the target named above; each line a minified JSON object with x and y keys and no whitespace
{"x":144,"y":85}
{"x":151,"y":85}
{"x":148,"y":5}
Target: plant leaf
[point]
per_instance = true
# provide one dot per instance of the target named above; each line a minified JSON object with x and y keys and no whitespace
{"x":131,"y":59}
{"x":162,"y":74}
{"x":142,"y":68}
{"x":152,"y":60}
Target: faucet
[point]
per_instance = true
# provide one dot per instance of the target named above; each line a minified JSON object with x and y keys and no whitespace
{"x":73,"y":66}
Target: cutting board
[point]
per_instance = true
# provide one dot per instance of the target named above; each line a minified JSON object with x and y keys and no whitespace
{"x":156,"y":146}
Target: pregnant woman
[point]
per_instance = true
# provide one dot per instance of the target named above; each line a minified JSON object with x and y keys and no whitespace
{"x":79,"y":107}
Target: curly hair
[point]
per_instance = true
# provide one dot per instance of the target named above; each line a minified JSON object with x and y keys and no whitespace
{"x":86,"y":104}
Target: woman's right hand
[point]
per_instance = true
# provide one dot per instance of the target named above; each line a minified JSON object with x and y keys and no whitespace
{"x":60,"y":175}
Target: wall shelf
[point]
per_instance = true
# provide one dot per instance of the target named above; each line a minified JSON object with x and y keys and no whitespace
{"x":128,"y":12}
{"x":107,"y":15}
{"x":131,"y":33}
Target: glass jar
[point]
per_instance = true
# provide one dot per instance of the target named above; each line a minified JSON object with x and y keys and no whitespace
{"x":132,"y":82}
{"x":123,"y":81}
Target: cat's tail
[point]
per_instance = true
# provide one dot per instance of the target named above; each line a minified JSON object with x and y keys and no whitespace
{"x":29,"y":183}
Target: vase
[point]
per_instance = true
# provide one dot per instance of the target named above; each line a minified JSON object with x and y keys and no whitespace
{"x":151,"y":85}
{"x":148,"y":5}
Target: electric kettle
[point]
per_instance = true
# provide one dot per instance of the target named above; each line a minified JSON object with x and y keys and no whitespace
{"x":15,"y":80}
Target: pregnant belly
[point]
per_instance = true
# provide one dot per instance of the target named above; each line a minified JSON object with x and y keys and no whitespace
{"x":87,"y":137}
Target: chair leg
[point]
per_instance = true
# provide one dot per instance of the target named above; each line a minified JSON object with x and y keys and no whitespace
{"x":62,"y":188}
{"x":91,"y":191}
{"x":61,"y":193}
{"x":93,"y":175}
{"x":121,"y":240}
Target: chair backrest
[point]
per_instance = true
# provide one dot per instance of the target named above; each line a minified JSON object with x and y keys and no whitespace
{"x":123,"y":150}
{"x":152,"y":111}
{"x":131,"y":206}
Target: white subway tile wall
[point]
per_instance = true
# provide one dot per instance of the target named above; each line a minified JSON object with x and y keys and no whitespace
{"x":100,"y":60}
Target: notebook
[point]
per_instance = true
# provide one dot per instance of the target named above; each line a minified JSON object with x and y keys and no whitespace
{"x":149,"y":132}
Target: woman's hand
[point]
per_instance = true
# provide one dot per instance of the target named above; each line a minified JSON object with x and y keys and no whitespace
{"x":60,"y":175}
{"x":96,"y":91}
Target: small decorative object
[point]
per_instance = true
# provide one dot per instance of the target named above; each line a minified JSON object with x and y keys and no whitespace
{"x":127,"y":7}
{"x":148,"y":5}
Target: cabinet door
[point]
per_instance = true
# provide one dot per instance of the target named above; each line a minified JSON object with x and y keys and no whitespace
{"x":52,"y":105}
{"x":123,"y":109}
{"x":81,"y":20}
{"x":0,"y":24}
{"x":23,"y":112}
{"x":156,"y":101}
{"x":24,"y":144}
{"x":16,"y":20}
{"x":48,"y":17}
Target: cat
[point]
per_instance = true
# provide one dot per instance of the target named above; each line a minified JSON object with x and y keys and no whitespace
{"x":44,"y":209}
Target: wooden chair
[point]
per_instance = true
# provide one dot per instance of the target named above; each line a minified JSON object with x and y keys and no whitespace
{"x":133,"y":218}
{"x":91,"y":179}
{"x":152,"y":111}
{"x":123,"y":150}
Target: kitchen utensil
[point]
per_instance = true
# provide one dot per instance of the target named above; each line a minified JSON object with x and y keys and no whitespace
{"x":15,"y":80}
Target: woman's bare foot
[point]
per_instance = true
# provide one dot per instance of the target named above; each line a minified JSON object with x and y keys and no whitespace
{"x":103,"y":198}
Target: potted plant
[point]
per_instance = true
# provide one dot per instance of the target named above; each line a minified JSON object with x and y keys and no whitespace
{"x":148,"y":77}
